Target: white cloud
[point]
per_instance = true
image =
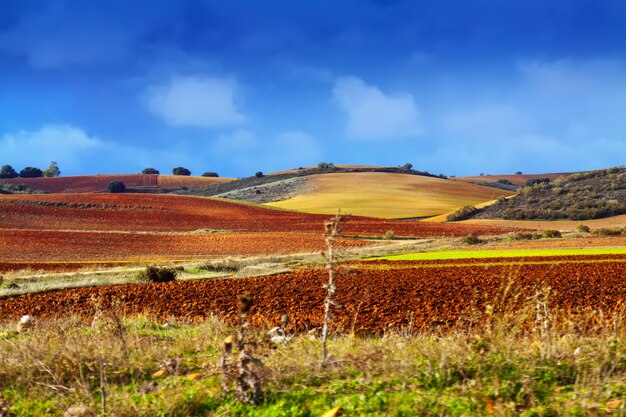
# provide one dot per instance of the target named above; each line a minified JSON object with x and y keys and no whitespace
{"x":373,"y":114}
{"x":63,"y":143}
{"x":196,"y":101}
{"x":245,"y":151}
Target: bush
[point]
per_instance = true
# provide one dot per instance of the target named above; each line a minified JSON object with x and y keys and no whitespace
{"x":472,"y":239}
{"x":31,"y":172}
{"x":7,"y":171}
{"x":462,"y":214}
{"x":210,"y":174}
{"x":181,"y":171}
{"x":407,"y":167}
{"x":583,"y":228}
{"x":504,"y":181}
{"x":150,"y":171}
{"x":389,"y":235}
{"x":551,"y":233}
{"x":607,"y":232}
{"x":326,"y":166}
{"x":156,"y":274}
{"x":536,"y":181}
{"x":259,"y":174}
{"x":526,"y":236}
{"x":116,"y":187}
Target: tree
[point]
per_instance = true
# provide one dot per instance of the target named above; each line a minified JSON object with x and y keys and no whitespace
{"x":150,"y":171}
{"x":31,"y":172}
{"x":259,"y":174}
{"x":116,"y":187}
{"x":210,"y":174}
{"x":181,"y":171}
{"x":407,"y":167}
{"x":7,"y":171}
{"x":52,"y":171}
{"x":518,"y":173}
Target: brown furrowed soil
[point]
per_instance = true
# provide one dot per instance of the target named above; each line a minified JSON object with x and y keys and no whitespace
{"x":169,"y":213}
{"x":415,"y":298}
{"x":24,"y":246}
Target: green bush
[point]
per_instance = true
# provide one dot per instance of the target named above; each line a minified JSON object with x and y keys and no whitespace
{"x":150,"y":171}
{"x":181,"y":171}
{"x":472,"y":239}
{"x":210,"y":174}
{"x":7,"y":171}
{"x":31,"y":172}
{"x":583,"y":228}
{"x":157,"y":274}
{"x":116,"y":187}
{"x":259,"y":174}
{"x":551,"y":233}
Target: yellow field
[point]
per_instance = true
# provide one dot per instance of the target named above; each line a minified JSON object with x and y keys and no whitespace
{"x":386,"y":195}
{"x":177,"y":181}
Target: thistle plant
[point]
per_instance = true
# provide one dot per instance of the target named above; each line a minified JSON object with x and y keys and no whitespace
{"x":242,"y":371}
{"x":332,"y":229}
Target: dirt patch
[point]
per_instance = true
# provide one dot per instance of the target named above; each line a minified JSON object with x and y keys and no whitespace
{"x":268,"y":193}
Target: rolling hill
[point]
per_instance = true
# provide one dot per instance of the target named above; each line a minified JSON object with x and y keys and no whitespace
{"x":98,"y":183}
{"x":386,"y":195}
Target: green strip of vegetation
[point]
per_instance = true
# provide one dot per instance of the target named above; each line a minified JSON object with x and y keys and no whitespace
{"x":504,"y":253}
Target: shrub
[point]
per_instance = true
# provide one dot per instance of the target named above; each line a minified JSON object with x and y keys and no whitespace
{"x":607,"y":232}
{"x":551,"y":233}
{"x":389,"y":234}
{"x":31,"y":172}
{"x":472,"y":239}
{"x":7,"y":171}
{"x":462,"y":214}
{"x":259,"y":174}
{"x":523,"y":236}
{"x":181,"y":171}
{"x":156,"y":274}
{"x":582,"y":228}
{"x":150,"y":171}
{"x":325,"y":166}
{"x":210,"y":174}
{"x":536,"y":181}
{"x":518,"y":173}
{"x":504,"y":181}
{"x":407,"y":167}
{"x":116,"y":187}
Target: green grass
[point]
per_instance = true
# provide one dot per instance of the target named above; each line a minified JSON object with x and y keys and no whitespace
{"x":497,"y":369}
{"x":504,"y":253}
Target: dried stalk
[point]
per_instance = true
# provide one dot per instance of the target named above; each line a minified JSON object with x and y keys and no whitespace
{"x":248,"y":385}
{"x":332,"y":230}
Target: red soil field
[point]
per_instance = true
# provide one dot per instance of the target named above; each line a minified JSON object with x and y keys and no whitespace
{"x":24,"y":246}
{"x":99,"y":183}
{"x":166,"y":213}
{"x":422,"y":299}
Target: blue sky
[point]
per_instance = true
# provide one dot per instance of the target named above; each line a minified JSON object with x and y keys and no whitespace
{"x":456,"y":87}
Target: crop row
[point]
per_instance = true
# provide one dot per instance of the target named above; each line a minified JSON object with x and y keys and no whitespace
{"x":418,"y":298}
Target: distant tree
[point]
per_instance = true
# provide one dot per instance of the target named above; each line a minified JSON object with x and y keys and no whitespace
{"x":259,"y":174}
{"x":518,"y":173}
{"x":150,"y":171}
{"x":52,"y":171}
{"x":210,"y":174}
{"x":116,"y":187}
{"x":31,"y":172}
{"x":407,"y":167}
{"x":181,"y":171}
{"x":325,"y":166}
{"x":7,"y":171}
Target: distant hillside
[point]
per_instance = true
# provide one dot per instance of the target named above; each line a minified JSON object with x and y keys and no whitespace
{"x":385,"y":195}
{"x":515,"y":180}
{"x":580,"y":196}
{"x":98,"y":183}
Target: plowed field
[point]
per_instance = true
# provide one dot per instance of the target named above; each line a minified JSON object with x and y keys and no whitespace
{"x":420,"y":298}
{"x":23,"y":246}
{"x":166,"y":213}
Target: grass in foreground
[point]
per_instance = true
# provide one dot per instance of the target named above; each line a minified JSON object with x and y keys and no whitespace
{"x":494,"y":370}
{"x":504,"y":253}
